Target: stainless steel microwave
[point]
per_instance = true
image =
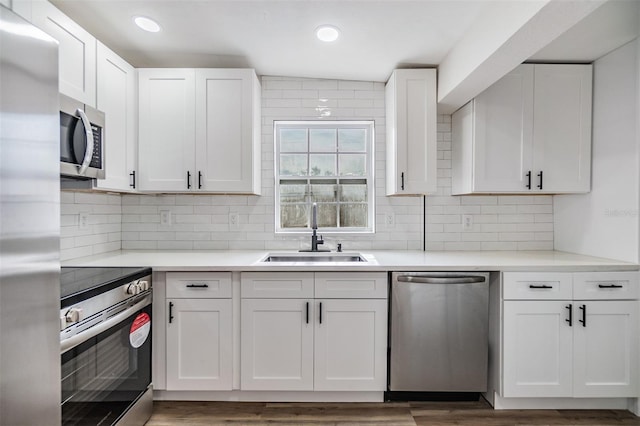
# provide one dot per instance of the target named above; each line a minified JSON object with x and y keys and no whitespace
{"x":81,"y":140}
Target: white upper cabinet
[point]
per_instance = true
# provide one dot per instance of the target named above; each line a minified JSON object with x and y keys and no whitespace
{"x":562,"y":128}
{"x":530,"y":132}
{"x":199,"y":130}
{"x":411,"y":117}
{"x":228,"y":130}
{"x":497,"y":123}
{"x":117,"y":97}
{"x":77,"y":52}
{"x":166,"y":144}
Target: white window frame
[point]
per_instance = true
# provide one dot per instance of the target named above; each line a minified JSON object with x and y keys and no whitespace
{"x":369,"y":126}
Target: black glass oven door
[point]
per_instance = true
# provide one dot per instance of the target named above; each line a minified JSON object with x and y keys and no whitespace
{"x":104,"y":375}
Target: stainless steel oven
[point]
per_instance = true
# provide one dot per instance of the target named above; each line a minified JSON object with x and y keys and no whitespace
{"x":105,"y":346}
{"x":81,"y":140}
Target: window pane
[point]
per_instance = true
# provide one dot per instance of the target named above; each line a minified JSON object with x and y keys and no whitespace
{"x":294,"y":215}
{"x":293,"y":164}
{"x":322,"y":164}
{"x":292,"y":193}
{"x":352,"y":140}
{"x":353,"y":165}
{"x":324,"y":193}
{"x":293,"y":140}
{"x":322,"y":140}
{"x":327,"y":215}
{"x":353,"y":215}
{"x":353,"y":193}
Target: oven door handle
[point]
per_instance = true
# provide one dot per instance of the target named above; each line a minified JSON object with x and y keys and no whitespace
{"x":88,"y":153}
{"x":82,"y":337}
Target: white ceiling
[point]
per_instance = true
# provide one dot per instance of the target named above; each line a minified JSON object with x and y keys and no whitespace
{"x":276,"y":37}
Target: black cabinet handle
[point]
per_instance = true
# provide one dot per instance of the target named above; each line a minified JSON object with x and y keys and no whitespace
{"x":609,"y":286}
{"x":197,"y":285}
{"x":307,"y":312}
{"x":133,"y":178}
{"x":583,"y":308}
{"x":188,"y":180}
{"x":570,"y":319}
{"x":540,"y":176}
{"x":199,"y":179}
{"x":528,"y":175}
{"x":540,"y":286}
{"x":170,"y":312}
{"x":402,"y":181}
{"x":320,"y":312}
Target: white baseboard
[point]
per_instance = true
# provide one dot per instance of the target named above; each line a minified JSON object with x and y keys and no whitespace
{"x":500,"y":403}
{"x":270,"y":396}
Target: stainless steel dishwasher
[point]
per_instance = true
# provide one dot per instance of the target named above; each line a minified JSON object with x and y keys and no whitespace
{"x":438,"y":333}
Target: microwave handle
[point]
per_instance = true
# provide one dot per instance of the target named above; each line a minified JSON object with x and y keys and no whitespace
{"x":88,"y":153}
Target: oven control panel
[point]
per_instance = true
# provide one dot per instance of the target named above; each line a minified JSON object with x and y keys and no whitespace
{"x":93,"y":308}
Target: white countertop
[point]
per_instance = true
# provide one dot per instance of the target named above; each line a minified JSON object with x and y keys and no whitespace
{"x":226,"y":260}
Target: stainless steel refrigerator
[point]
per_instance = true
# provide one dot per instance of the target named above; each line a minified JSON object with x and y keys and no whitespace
{"x":29,"y":225}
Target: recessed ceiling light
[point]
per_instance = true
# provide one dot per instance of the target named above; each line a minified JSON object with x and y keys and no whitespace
{"x":327,"y":33}
{"x":146,"y":24}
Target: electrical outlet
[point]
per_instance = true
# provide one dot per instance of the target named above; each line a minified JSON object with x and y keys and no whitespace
{"x":165,"y":217}
{"x":467,"y":222}
{"x":389,"y":220}
{"x":83,"y":220}
{"x":234,"y":220}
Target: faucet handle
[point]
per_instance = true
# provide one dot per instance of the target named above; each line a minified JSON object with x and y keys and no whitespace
{"x":320,"y":240}
{"x":339,"y":248}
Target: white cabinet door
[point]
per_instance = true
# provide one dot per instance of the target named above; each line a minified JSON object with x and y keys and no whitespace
{"x":228,"y":131}
{"x":277,"y":344}
{"x":411,"y":115}
{"x":537,"y":349}
{"x":167,"y":129}
{"x":350,"y":345}
{"x":503,"y":133}
{"x":117,"y":96}
{"x":77,"y":52}
{"x":562,"y":128}
{"x":606,"y":349}
{"x":199,"y":344}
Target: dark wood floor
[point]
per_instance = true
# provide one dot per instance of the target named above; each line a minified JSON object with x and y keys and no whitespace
{"x":170,"y":413}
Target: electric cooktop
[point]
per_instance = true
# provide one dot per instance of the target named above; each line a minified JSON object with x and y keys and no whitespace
{"x":77,"y":283}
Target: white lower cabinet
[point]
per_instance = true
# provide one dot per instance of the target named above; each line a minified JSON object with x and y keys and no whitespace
{"x":350,"y":345}
{"x":305,"y":343}
{"x":199,"y":350}
{"x":277,"y":345}
{"x":605,"y":350}
{"x":582,"y":346}
{"x":199,"y":345}
{"x":537,"y":349}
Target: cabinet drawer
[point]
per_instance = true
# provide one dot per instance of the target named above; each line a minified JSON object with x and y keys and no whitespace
{"x":280,"y":285}
{"x":605,"y":285}
{"x":351,"y":285}
{"x":203,"y":285}
{"x":537,"y":285}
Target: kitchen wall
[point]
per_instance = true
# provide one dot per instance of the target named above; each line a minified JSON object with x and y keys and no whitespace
{"x":102,"y":231}
{"x":202,"y":221}
{"x":604,"y":222}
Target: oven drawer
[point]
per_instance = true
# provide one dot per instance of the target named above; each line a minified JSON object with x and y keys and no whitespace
{"x":194,"y":285}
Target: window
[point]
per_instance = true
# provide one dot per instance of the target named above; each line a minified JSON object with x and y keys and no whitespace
{"x":329,"y":163}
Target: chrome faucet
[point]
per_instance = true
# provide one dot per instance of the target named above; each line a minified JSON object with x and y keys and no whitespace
{"x":315,"y":241}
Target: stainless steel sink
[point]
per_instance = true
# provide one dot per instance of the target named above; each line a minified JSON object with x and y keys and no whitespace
{"x":314,"y":257}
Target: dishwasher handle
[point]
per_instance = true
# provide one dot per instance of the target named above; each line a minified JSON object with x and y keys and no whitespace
{"x":462,"y":279}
